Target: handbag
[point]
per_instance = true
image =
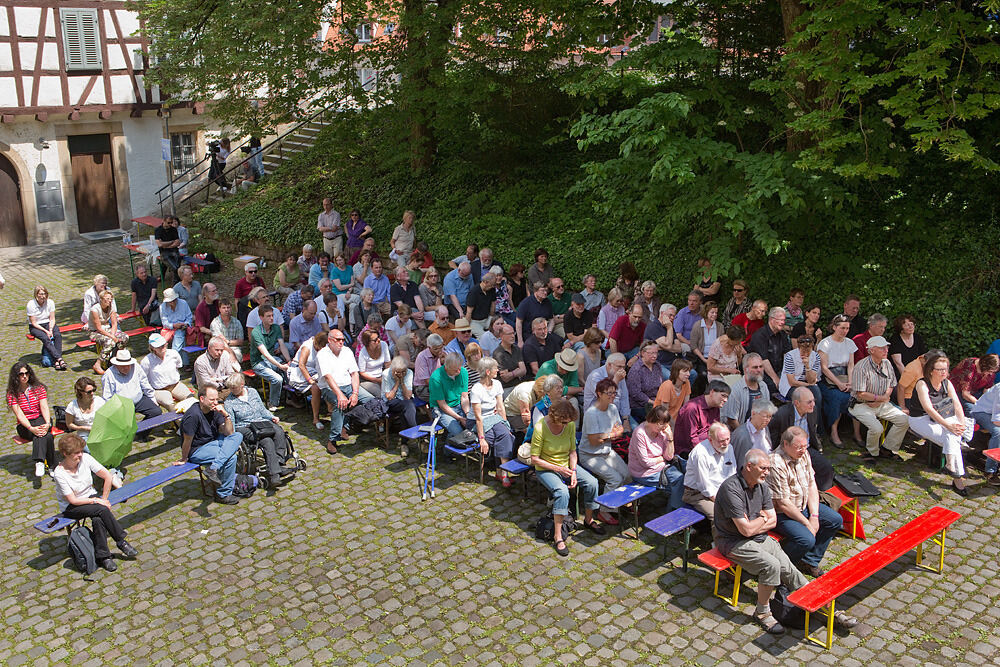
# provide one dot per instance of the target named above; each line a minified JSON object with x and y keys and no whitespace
{"x":262,"y":429}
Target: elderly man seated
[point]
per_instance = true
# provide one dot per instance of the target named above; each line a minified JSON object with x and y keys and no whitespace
{"x":296,"y":300}
{"x":162,"y":367}
{"x":744,"y":512}
{"x":745,"y":391}
{"x":872,"y":383}
{"x":708,"y":466}
{"x":303,"y":326}
{"x":613,"y":368}
{"x":449,"y":394}
{"x":627,"y":332}
{"x":808,"y":525}
{"x":565,"y":364}
{"x":428,"y":361}
{"x":245,"y":408}
{"x":126,"y":378}
{"x":176,"y":317}
{"x":800,"y":412}
{"x":753,"y":433}
{"x":457,"y":284}
{"x":463,"y":336}
{"x":340,"y":385}
{"x":215,"y":366}
{"x":261,"y":298}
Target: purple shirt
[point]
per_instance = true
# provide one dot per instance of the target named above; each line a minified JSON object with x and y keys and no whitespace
{"x":643,"y":384}
{"x":425,"y":364}
{"x":684,"y":322}
{"x":354,"y":230}
{"x":693,"y":420}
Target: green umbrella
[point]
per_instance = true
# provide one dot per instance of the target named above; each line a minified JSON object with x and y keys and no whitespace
{"x":113,"y":431}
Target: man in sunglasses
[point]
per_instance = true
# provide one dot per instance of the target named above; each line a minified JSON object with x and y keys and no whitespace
{"x":249,"y":280}
{"x":739,"y":303}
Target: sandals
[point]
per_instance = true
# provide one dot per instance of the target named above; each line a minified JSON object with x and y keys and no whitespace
{"x":565,"y":549}
{"x":594,"y":527}
{"x":770,"y":625}
{"x":59,"y":365}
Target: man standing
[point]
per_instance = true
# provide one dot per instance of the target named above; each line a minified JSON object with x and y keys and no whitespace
{"x":265,"y":343}
{"x":694,"y":418}
{"x":215,"y":366}
{"x":378,"y":283}
{"x":771,"y":343}
{"x":481,"y":304}
{"x":744,"y":512}
{"x":808,"y":525}
{"x":871,"y":390}
{"x":209,"y":439}
{"x":328,"y":224}
{"x":168,"y":240}
{"x":457,"y":284}
{"x":710,"y":464}
{"x":746,"y":391}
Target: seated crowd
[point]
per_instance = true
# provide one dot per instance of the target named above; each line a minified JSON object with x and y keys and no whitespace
{"x":724,"y":406}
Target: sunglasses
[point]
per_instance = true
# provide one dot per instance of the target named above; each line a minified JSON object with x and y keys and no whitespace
{"x":739,"y":289}
{"x":251,"y":271}
{"x":23,"y":373}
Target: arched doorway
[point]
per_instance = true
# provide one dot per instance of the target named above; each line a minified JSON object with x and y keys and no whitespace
{"x":11,"y":212}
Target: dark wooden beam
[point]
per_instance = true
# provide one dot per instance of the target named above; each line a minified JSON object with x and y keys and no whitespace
{"x":74,"y":115}
{"x":135,"y":113}
{"x":104,"y":115}
{"x":7,"y":118}
{"x":42,"y":116}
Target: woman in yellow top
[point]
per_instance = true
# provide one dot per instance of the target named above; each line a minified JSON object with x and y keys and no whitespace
{"x":553,"y":453}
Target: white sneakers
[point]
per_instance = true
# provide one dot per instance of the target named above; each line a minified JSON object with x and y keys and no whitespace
{"x":117,"y":481}
{"x":39,"y":469}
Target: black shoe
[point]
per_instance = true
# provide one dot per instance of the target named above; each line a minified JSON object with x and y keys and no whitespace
{"x":812,"y":570}
{"x":227,"y":500}
{"x":868,"y":458}
{"x":127,"y":549}
{"x":884,"y":453}
{"x":565,"y":549}
{"x":964,"y":491}
{"x":212,"y":475}
{"x":594,"y":527}
{"x":109,"y":564}
{"x":275,"y":481}
{"x":994,"y":479}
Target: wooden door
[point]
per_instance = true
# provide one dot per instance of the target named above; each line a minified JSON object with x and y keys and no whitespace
{"x":93,"y":182}
{"x":11,"y":213}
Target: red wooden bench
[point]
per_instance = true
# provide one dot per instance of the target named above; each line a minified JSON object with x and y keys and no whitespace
{"x":850,"y":510}
{"x":713,"y":559}
{"x":993,"y":453}
{"x":135,"y":332}
{"x":77,"y":326}
{"x":823,"y":592}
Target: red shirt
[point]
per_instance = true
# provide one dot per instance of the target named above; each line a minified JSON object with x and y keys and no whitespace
{"x":29,"y":401}
{"x":625,"y":336}
{"x":964,"y":376}
{"x":243,"y":287}
{"x":861,"y":340}
{"x":748,"y":325}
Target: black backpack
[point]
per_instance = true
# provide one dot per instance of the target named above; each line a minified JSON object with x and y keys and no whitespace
{"x":364,"y":414}
{"x":81,"y":549}
{"x":545,"y":528}
{"x":785,"y":612}
{"x":244,"y":486}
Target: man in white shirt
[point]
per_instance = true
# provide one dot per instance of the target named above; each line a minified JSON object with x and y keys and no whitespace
{"x":710,"y":463}
{"x":126,"y":378}
{"x":339,"y":385}
{"x":218,"y":363}
{"x":161,"y":367}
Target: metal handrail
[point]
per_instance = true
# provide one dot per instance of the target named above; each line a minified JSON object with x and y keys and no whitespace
{"x":206,"y":186}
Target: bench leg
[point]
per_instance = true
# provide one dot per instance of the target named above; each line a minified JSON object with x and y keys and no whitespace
{"x":920,"y":554}
{"x":853,"y":508}
{"x":828,"y":643}
{"x":687,"y":546}
{"x":737,"y":573}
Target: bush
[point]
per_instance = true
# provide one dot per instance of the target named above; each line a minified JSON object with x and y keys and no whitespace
{"x":936,"y":260}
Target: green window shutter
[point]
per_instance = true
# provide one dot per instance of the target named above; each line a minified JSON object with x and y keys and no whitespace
{"x":81,"y":39}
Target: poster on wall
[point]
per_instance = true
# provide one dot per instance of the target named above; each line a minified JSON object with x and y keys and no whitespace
{"x":49,"y":201}
{"x":165,"y":149}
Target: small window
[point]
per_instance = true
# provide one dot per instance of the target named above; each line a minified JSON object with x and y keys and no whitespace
{"x":390,"y":28}
{"x":368,"y":78}
{"x":602,"y":39}
{"x":364,"y":32}
{"x":81,"y":39}
{"x":181,"y":152}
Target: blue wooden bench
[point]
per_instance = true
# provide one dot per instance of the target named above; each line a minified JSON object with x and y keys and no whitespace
{"x":623,"y":495}
{"x":150,"y":423}
{"x":126,"y":492}
{"x":517,"y":469}
{"x":681,"y":519}
{"x":193,"y":349}
{"x":468,"y":451}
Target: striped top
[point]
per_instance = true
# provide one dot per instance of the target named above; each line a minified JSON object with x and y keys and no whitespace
{"x":29,"y":401}
{"x":872,"y":378}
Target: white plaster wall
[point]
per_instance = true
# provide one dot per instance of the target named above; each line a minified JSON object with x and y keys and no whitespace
{"x":147,"y":172}
{"x":49,"y":91}
{"x":129,"y":21}
{"x":4,"y":28}
{"x":26,"y":19}
{"x":122,"y":91}
{"x":6,"y":59}
{"x":8,"y":92}
{"x":23,"y":138}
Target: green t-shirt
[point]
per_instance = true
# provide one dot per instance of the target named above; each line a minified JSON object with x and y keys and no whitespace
{"x":550,"y":367}
{"x":291,"y":275}
{"x":447,"y":389}
{"x":268,"y":340}
{"x":561,"y":306}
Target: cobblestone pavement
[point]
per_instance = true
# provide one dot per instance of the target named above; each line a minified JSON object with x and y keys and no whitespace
{"x":348,"y":566}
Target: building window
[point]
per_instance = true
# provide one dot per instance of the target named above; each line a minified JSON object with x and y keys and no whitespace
{"x":368,"y":78}
{"x":390,"y":28}
{"x":181,"y":152}
{"x":81,"y":39}
{"x":364,"y":32}
{"x":602,"y":39}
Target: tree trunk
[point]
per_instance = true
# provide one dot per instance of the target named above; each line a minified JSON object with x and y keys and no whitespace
{"x":807,"y":91}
